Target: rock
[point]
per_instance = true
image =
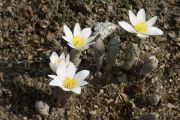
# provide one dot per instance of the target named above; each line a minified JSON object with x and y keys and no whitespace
{"x":27,"y":11}
{"x":25,"y":118}
{"x":122,"y":78}
{"x":111,"y":89}
{"x":132,"y":57}
{"x":42,"y":107}
{"x":44,"y":24}
{"x":93,"y":112}
{"x":87,"y":8}
{"x":154,"y":99}
{"x":148,"y":66}
{"x":170,"y":105}
{"x":110,"y":10}
{"x":150,"y":116}
{"x":104,"y":29}
{"x":109,"y":101}
{"x":50,"y":36}
{"x":172,"y":34}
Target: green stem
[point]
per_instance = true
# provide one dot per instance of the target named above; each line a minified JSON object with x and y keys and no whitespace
{"x":75,"y":57}
{"x":141,"y":43}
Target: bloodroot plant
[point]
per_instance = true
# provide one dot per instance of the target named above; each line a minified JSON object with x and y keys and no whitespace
{"x":79,"y":41}
{"x":143,"y":29}
{"x":67,"y":80}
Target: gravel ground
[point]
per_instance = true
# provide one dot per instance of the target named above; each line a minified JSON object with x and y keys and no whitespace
{"x":31,"y":30}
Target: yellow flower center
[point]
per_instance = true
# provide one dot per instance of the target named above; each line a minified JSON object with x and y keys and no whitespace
{"x":56,"y":61}
{"x":141,"y":27}
{"x":78,"y":41}
{"x":69,"y":83}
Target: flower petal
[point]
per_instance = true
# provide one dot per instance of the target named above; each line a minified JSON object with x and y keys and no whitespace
{"x":56,"y":82}
{"x":83,"y":83}
{"x":77,"y":90}
{"x":142,"y":35}
{"x":127,"y":27}
{"x":67,"y":39}
{"x":132,"y":18}
{"x":85,"y":46}
{"x":67,"y":32}
{"x":85,"y":33}
{"x":141,"y":16}
{"x":77,"y":29}
{"x":90,"y":39}
{"x":72,"y":46}
{"x":65,"y":89}
{"x":71,"y":69}
{"x":53,"y":76}
{"x":62,"y":56}
{"x":54,"y":56}
{"x":80,"y":76}
{"x":61,"y":70}
{"x":53,"y":66}
{"x":151,"y":21}
{"x":154,"y":31}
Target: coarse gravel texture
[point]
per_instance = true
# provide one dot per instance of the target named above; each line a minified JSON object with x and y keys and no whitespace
{"x":31,"y":30}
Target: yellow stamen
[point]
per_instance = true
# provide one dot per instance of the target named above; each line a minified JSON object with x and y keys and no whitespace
{"x":78,"y":41}
{"x":141,"y":27}
{"x":69,"y":83}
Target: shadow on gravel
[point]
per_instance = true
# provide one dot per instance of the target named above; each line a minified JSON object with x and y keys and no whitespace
{"x":33,"y":69}
{"x":20,"y":98}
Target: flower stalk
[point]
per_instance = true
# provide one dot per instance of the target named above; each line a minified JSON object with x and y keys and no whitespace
{"x":75,"y":57}
{"x":61,"y":97}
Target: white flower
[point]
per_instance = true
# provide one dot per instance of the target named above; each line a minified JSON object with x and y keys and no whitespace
{"x":55,"y":60}
{"x":79,"y":39}
{"x":140,"y":26}
{"x":67,"y":79}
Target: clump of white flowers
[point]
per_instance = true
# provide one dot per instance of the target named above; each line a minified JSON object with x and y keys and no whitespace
{"x":65,"y":66}
{"x":140,"y":26}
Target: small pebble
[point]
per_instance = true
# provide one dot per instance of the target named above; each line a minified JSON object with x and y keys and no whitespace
{"x":172,"y":34}
{"x":149,"y":116}
{"x":42,"y":107}
{"x":154,"y":99}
